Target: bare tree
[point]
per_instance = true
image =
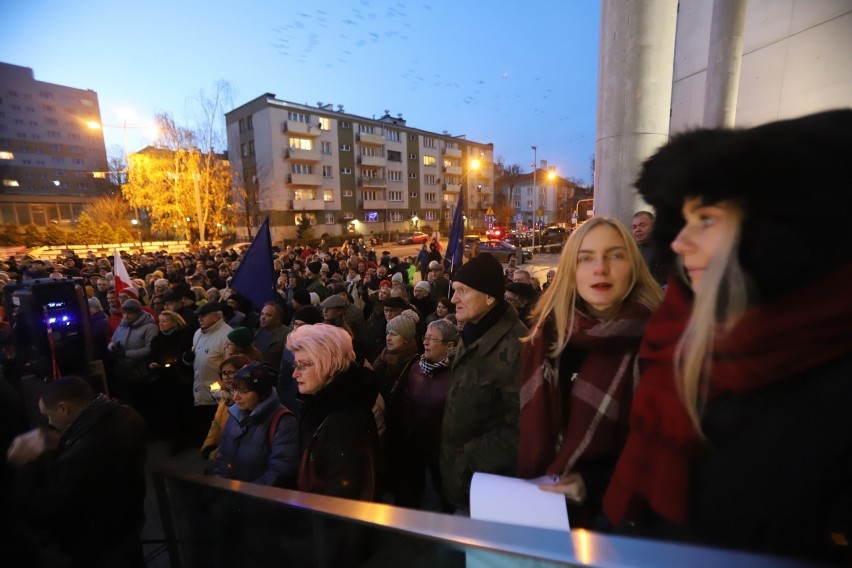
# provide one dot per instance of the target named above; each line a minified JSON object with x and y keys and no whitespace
{"x":111,"y":209}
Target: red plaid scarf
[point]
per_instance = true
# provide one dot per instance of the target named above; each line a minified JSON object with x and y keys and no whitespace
{"x":554,"y":439}
{"x":774,"y":341}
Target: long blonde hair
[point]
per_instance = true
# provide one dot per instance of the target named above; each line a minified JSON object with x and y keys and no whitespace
{"x":717,"y":307}
{"x":561,"y":298}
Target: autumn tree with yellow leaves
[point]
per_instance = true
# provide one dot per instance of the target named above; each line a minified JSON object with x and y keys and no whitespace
{"x":183,"y":188}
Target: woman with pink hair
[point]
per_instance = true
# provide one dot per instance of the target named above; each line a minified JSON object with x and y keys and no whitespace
{"x":339,"y":440}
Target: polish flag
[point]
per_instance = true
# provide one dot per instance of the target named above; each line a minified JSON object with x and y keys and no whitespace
{"x":122,"y":279}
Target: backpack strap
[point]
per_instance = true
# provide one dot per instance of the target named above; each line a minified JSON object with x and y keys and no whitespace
{"x":273,"y":426}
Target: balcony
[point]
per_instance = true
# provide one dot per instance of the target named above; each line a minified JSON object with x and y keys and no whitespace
{"x":370,"y":204}
{"x":452,"y":152}
{"x":308,"y":205}
{"x":300,"y":128}
{"x":371,"y":139}
{"x":304,"y":179}
{"x":452,"y":187}
{"x":372,"y":182}
{"x":298,"y":154}
{"x":453,"y":170}
{"x":371,"y":160}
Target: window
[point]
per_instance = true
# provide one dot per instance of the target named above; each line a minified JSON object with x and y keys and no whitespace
{"x":529,"y":191}
{"x":345,"y":124}
{"x":345,"y":148}
{"x":82,"y":185}
{"x":302,"y":216}
{"x":412,"y":156}
{"x":11,"y":183}
{"x":301,"y":169}
{"x":329,"y":218}
{"x":297,"y":116}
{"x":393,"y":135}
{"x":429,"y":160}
{"x":412,"y":195}
{"x":328,"y":195}
{"x":431,"y":197}
{"x":429,"y":142}
{"x":366,"y":128}
{"x":430,"y":216}
{"x":249,"y":123}
{"x":394,"y":175}
{"x":517,"y":204}
{"x":394,"y":196}
{"x":327,"y":171}
{"x":370,"y":151}
{"x":53,"y":134}
{"x":78,"y":161}
{"x":348,"y":215}
{"x":396,"y":216}
{"x":301,"y":144}
{"x":370,"y":195}
{"x":242,"y":126}
{"x":325,"y":123}
{"x":52,"y":121}
{"x":430,"y":178}
{"x":304,"y":194}
{"x":412,"y":175}
{"x":412,"y":137}
{"x":325,"y":148}
{"x":244,"y":149}
{"x":447,"y":214}
{"x":394,"y":156}
{"x":48,"y":108}
{"x":529,"y":204}
{"x":346,"y":171}
{"x":371,"y":217}
{"x":251,"y":148}
{"x":347,"y":193}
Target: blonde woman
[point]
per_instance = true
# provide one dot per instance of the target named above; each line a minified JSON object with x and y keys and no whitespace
{"x":741,"y":433}
{"x":580,"y":364}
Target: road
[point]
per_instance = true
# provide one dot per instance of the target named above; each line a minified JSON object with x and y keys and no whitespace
{"x":538,"y":266}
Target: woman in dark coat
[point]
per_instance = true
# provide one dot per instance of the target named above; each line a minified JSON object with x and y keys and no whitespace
{"x":338,"y":431}
{"x":171,"y":385}
{"x":741,"y":434}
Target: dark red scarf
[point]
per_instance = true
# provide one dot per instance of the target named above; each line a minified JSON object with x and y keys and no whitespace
{"x":599,"y":406}
{"x":774,"y":341}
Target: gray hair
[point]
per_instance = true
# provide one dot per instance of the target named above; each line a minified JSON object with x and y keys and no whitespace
{"x":449,"y":333}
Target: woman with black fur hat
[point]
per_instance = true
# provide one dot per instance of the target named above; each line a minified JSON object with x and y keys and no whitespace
{"x":741,"y":433}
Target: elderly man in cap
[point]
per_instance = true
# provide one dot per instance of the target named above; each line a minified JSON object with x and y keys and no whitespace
{"x":312,"y":279}
{"x":440,"y":284}
{"x":522,"y":297}
{"x":174,"y":301}
{"x":481,"y":419}
{"x":208,"y":350}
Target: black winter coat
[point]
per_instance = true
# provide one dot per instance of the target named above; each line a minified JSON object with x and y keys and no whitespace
{"x":339,"y":440}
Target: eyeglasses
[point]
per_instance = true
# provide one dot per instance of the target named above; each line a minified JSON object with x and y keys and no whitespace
{"x":427,"y":339}
{"x":227,"y":373}
{"x":241,"y":392}
{"x":303,"y":366}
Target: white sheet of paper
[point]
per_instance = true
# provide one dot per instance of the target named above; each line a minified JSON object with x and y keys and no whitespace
{"x":517,"y":502}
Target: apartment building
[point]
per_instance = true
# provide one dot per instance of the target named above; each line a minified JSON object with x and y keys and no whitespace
{"x":343,"y":172}
{"x":48,"y":153}
{"x":539,"y":199}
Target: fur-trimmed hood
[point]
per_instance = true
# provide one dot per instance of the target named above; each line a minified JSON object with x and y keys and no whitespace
{"x":793,"y":179}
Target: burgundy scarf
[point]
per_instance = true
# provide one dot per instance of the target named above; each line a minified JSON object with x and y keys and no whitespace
{"x":794,"y":332}
{"x":554,"y":439}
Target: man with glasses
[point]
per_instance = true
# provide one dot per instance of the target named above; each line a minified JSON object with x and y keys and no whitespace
{"x":208,"y":351}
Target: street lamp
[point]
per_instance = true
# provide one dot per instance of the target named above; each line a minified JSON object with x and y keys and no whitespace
{"x":136,"y":223}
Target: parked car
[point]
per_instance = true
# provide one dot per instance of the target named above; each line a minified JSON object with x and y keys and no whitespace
{"x":502,"y":250}
{"x":551,"y":235}
{"x":498,"y":232}
{"x":413,"y":238}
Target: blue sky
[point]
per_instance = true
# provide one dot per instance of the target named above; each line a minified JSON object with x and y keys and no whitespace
{"x":513,"y":73}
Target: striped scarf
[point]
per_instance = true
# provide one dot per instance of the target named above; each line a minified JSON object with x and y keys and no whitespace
{"x":429,"y":367}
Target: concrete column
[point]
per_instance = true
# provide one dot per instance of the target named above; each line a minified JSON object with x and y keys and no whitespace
{"x":723,"y":63}
{"x":635,"y":71}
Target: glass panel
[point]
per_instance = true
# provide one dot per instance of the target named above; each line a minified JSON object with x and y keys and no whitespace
{"x":7,"y":214}
{"x":37,"y":211}
{"x":24,"y":217}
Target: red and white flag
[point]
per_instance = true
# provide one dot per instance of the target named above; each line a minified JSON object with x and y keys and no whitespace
{"x":122,"y":278}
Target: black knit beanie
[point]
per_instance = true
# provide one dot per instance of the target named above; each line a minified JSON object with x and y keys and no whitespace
{"x":259,"y":377}
{"x":484,"y":273}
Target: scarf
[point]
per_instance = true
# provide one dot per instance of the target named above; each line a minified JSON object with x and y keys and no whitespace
{"x":429,"y":367}
{"x":554,"y":439}
{"x":473,"y":331}
{"x":87,"y":419}
{"x":786,"y":336}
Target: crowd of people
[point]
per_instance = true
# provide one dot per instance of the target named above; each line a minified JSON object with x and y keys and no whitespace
{"x":687,"y":378}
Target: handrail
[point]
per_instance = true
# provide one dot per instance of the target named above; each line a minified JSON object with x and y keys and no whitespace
{"x":582,"y":548}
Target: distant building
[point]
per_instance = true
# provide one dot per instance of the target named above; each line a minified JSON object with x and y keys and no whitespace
{"x":48,"y":154}
{"x":523,"y":195}
{"x":344,"y":172}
